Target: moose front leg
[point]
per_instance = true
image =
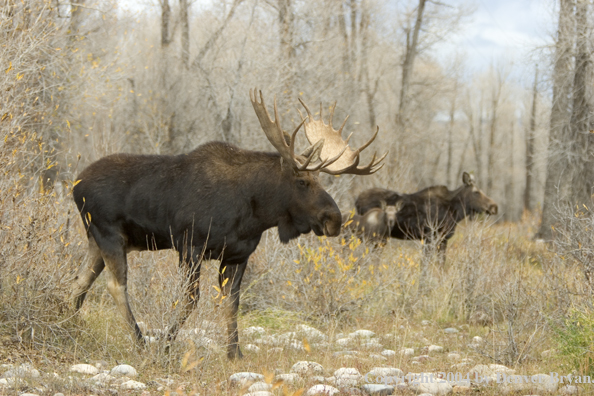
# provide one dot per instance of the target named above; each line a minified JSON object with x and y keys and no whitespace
{"x":230,"y":276}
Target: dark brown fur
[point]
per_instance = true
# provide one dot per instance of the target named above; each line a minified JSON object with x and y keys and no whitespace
{"x":433,"y":213}
{"x":214,"y":202}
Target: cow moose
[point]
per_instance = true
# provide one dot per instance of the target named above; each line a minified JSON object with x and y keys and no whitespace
{"x":432,"y":213}
{"x":211,"y":203}
{"x":376,"y":224}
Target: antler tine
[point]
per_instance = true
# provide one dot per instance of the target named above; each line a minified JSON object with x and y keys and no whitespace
{"x":368,"y":142}
{"x":332,"y":114}
{"x":372,"y":167}
{"x":306,"y":109}
{"x":342,"y":126}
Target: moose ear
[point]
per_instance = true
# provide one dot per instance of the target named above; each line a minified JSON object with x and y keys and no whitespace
{"x":383,"y":204}
{"x":467,"y":179}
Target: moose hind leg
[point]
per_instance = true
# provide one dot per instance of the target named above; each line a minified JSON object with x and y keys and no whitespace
{"x":87,"y":274}
{"x":117,"y":273}
{"x":230,"y":276}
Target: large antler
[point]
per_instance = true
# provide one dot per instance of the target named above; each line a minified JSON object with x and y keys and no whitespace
{"x":276,"y":136}
{"x":316,"y":130}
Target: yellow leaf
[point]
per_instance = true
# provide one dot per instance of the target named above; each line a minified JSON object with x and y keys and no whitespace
{"x":89,"y":216}
{"x":225,"y":282}
{"x":9,"y":67}
{"x":216,"y":288}
{"x":306,"y":345}
{"x":268,"y":376}
{"x":75,"y":183}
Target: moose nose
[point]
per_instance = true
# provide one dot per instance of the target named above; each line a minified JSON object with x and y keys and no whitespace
{"x":492,"y":209}
{"x":332,"y":221}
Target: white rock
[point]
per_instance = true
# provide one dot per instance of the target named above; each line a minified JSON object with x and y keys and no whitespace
{"x":362,"y":334}
{"x":435,"y":348}
{"x":291,"y":378}
{"x":499,"y":368}
{"x":296,"y":345}
{"x":311,"y":334}
{"x":259,"y":393}
{"x":267,"y":340}
{"x":377,"y":357}
{"x":477,"y":340}
{"x":454,"y":356}
{"x":376,"y":372}
{"x":253,"y":331}
{"x":242,"y":378}
{"x":251,"y":348}
{"x":124,"y":370}
{"x":29,"y":394}
{"x":425,"y":323}
{"x":451,"y":330}
{"x":259,"y":387}
{"x":286,"y":338}
{"x":389,"y":353}
{"x":377,"y":389}
{"x":568,"y":390}
{"x":490,"y":372}
{"x":372,"y":344}
{"x":25,"y":370}
{"x":330,"y":380}
{"x":544,"y":383}
{"x":132,"y":385}
{"x":318,"y":379}
{"x":102,"y":378}
{"x":407,"y":351}
{"x":428,"y":383}
{"x":305,"y":368}
{"x":84,"y":369}
{"x":344,"y":342}
{"x":7,"y":382}
{"x":347,"y":376}
{"x":322,"y":390}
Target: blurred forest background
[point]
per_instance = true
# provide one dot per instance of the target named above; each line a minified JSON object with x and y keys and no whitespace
{"x":86,"y":79}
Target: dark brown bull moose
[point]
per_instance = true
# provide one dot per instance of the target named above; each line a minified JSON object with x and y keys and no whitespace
{"x":214,"y":202}
{"x":433,"y":213}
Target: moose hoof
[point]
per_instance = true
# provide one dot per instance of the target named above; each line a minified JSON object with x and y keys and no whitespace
{"x":233,"y":352}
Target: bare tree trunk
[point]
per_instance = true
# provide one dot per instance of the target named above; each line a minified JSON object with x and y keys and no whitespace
{"x":510,"y":188}
{"x":215,"y":36}
{"x":345,"y":38}
{"x":407,"y":66}
{"x":353,"y":45}
{"x":450,"y":135}
{"x":165,"y":21}
{"x":581,"y":118}
{"x":75,"y":17}
{"x":285,"y":19}
{"x":496,"y":95}
{"x":530,"y":146}
{"x":556,"y":188}
{"x":185,"y":32}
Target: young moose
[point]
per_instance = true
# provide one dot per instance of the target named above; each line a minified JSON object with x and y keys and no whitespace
{"x":432,"y":213}
{"x":214,"y":202}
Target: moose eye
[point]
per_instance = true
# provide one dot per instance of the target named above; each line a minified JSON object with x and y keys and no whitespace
{"x":302,"y":183}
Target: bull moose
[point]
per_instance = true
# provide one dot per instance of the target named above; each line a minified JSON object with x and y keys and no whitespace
{"x":376,"y":224}
{"x":432,"y":213}
{"x":213,"y":202}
